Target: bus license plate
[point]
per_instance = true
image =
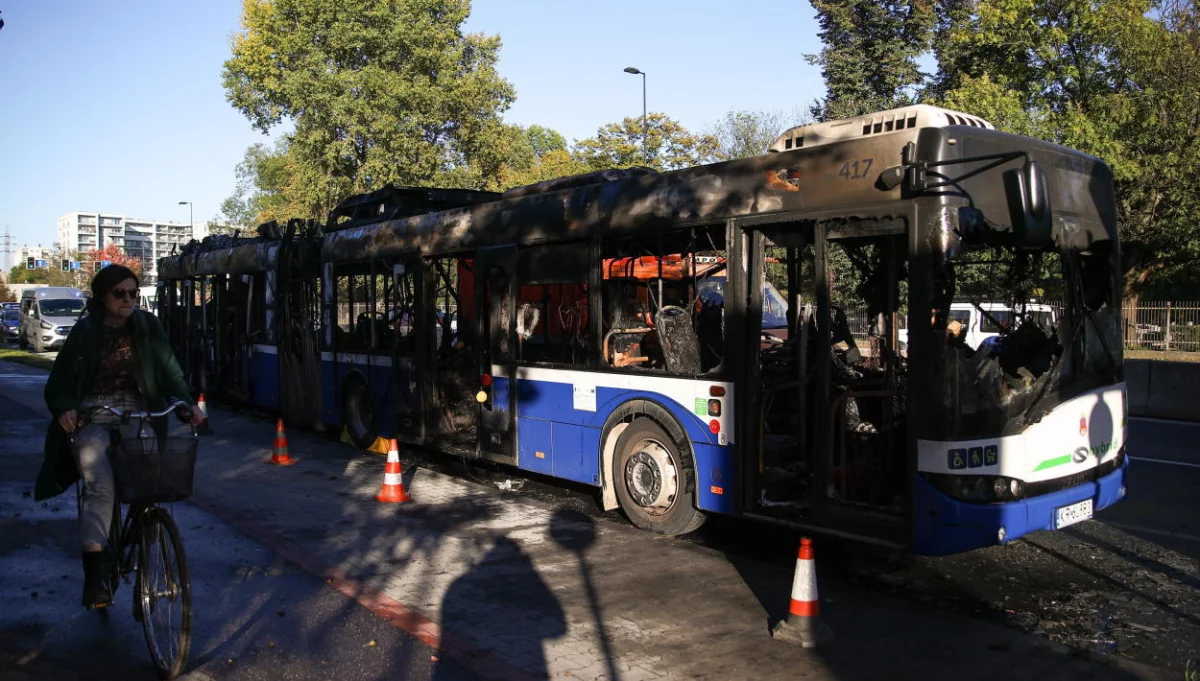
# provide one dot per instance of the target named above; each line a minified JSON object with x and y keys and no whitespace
{"x":1075,"y":513}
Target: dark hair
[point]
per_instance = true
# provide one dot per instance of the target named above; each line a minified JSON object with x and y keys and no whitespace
{"x":105,"y":281}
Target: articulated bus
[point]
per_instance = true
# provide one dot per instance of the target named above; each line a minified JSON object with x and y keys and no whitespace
{"x":680,"y":340}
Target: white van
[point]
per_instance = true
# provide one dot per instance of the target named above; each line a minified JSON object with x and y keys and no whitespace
{"x":981,"y":329}
{"x":47,"y":316}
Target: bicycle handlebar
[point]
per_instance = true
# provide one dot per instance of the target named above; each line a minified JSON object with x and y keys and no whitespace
{"x":143,"y":415}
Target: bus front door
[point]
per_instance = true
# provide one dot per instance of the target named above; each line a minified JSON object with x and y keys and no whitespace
{"x":495,"y":315}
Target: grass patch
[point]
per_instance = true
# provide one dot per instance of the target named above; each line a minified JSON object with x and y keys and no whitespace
{"x":1172,"y":356}
{"x":27,"y":358}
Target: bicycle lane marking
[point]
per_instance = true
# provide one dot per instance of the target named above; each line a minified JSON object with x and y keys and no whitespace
{"x":476,"y":658}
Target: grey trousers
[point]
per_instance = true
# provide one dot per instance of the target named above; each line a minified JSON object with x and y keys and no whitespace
{"x":90,"y":446}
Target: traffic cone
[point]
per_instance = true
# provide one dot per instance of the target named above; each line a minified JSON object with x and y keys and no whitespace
{"x":803,"y":624}
{"x":203,"y":428}
{"x":280,"y":456}
{"x":393,"y":478}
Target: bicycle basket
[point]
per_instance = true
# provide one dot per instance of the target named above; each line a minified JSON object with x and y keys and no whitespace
{"x":149,"y":469}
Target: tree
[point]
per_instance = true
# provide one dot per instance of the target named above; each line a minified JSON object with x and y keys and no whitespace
{"x":670,"y":146}
{"x":532,"y":155}
{"x":741,"y":134}
{"x":869,"y":61}
{"x":19,"y":275}
{"x":544,"y":140}
{"x":114,"y":255}
{"x":6,"y":294}
{"x":379,"y":91}
{"x":261,"y":192}
{"x":1116,"y":79}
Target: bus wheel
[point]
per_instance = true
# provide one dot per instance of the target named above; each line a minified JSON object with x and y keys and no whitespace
{"x":358,"y":414}
{"x":653,"y":480}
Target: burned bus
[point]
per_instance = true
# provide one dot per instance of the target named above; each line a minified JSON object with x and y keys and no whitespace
{"x":683,"y":342}
{"x":241,"y":313}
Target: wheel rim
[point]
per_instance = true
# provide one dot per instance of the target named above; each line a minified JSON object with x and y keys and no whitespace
{"x":163,"y":593}
{"x":651,"y":477}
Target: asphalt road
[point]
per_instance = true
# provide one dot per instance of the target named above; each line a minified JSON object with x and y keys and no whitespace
{"x":1126,"y":583}
{"x":255,"y":616}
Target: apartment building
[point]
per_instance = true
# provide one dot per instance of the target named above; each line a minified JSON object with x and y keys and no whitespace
{"x":147,"y":240}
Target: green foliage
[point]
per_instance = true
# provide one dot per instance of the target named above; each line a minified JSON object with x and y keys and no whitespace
{"x":544,"y":140}
{"x":668,"y":144}
{"x":1117,"y":79}
{"x":6,"y":294}
{"x":742,"y":134}
{"x":870,"y":56}
{"x":261,"y":193}
{"x":379,"y":91}
{"x":19,"y":275}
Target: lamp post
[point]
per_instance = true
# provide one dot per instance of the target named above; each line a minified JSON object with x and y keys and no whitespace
{"x":645,"y":129}
{"x":191,"y":222}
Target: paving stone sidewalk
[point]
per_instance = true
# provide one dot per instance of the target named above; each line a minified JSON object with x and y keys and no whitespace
{"x":518,"y":589}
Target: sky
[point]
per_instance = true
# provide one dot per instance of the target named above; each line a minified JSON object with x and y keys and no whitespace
{"x":119,"y":107}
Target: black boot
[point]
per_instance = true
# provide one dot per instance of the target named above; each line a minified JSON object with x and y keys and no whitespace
{"x":96,"y":569}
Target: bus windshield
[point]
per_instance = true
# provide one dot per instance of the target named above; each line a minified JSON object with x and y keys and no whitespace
{"x":61,"y":307}
{"x":1001,"y":388}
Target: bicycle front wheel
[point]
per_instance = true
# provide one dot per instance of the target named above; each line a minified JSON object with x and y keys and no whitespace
{"x":165,"y":591}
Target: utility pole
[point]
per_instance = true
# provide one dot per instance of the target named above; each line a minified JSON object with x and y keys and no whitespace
{"x":6,"y":249}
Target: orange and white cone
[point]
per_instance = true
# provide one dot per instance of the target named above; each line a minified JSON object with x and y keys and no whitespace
{"x":203,"y":428}
{"x":280,"y":455}
{"x":803,"y":624}
{"x":392,"y":491}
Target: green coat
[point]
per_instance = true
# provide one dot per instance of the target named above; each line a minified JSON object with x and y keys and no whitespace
{"x":159,"y":377}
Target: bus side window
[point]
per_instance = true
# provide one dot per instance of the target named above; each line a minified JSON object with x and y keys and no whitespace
{"x":552,"y":305}
{"x":664,"y":302}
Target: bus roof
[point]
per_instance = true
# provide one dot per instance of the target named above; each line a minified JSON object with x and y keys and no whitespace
{"x":868,"y":125}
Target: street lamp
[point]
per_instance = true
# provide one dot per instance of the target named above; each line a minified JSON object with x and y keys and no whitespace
{"x":191,"y":223}
{"x":645,"y":129}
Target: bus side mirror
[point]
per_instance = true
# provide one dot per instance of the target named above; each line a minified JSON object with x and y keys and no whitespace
{"x":1029,"y":206}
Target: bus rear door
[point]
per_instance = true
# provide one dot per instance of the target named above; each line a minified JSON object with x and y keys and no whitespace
{"x":495,"y":282}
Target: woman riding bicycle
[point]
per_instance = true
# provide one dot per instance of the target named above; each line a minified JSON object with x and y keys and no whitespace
{"x":117,"y":356}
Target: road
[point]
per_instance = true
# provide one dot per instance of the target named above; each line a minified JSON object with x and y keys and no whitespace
{"x":1124,"y":584}
{"x":256,"y":616}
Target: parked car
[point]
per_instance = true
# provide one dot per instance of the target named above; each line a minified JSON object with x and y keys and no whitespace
{"x":10,"y":324}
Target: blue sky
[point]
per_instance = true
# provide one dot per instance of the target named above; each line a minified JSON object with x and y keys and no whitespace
{"x":118,"y":106}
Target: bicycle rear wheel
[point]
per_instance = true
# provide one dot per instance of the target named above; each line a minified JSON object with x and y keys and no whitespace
{"x":165,"y":591}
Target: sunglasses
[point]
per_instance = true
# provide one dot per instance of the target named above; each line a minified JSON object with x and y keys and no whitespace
{"x":123,"y":293}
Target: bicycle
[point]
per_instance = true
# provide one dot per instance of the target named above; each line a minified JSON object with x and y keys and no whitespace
{"x":149,"y":470}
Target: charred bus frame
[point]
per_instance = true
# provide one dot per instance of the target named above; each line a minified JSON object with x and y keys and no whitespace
{"x":515,"y":328}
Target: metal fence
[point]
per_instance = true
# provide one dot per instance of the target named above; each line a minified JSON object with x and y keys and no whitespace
{"x":1162,"y":325}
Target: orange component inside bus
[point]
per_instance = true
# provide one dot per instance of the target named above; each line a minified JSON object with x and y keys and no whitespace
{"x":670,"y":267}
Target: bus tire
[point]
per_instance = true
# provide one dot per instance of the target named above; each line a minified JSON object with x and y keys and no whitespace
{"x":358,"y":414}
{"x":654,"y":480}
